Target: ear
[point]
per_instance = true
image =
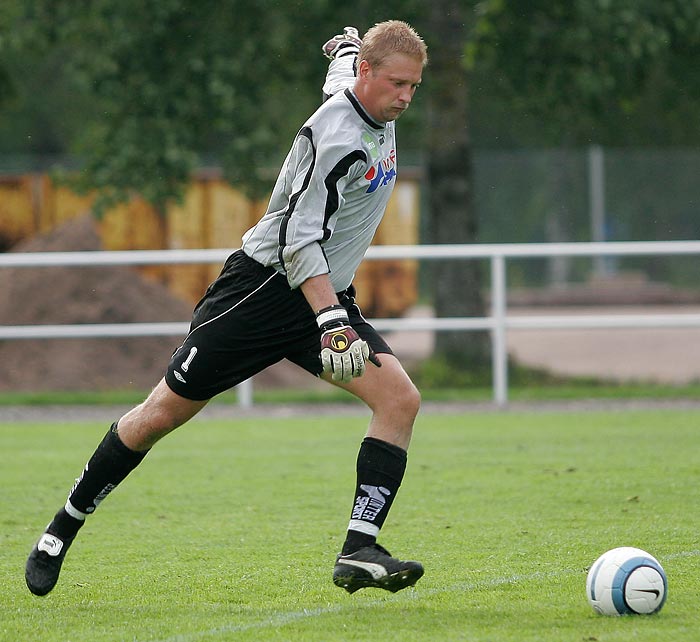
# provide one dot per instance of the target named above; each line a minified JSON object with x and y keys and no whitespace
{"x":363,"y":69}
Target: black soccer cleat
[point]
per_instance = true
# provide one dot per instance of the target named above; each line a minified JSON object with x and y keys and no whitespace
{"x":44,"y":563}
{"x":373,"y":566}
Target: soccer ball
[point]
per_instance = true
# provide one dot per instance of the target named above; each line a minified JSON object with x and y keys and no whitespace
{"x":626,"y":581}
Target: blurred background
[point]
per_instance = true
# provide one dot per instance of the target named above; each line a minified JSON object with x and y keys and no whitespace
{"x":132,"y":125}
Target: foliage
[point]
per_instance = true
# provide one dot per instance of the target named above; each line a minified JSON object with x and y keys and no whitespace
{"x":440,"y":373}
{"x":144,"y":91}
{"x":167,"y":78}
{"x":585,"y":67}
{"x":164,"y":86}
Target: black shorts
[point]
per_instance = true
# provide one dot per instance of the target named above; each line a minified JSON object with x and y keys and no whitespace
{"x":249,"y":319}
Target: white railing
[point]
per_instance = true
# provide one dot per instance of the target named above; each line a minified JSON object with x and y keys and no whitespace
{"x":497,"y":323}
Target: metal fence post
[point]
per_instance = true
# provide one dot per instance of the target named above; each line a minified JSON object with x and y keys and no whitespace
{"x":499,"y":350}
{"x":244,"y":392}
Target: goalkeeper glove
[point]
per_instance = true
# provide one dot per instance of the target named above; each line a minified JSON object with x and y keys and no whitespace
{"x":345,"y":44}
{"x":343,"y":353}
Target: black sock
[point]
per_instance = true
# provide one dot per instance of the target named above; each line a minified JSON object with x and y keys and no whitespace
{"x":111,"y":462}
{"x":64,"y":526}
{"x":380,"y":469}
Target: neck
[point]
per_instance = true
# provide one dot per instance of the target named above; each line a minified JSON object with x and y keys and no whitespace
{"x":359,"y":94}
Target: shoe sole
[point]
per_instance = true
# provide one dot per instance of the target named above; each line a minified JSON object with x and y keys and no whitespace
{"x":393,"y":583}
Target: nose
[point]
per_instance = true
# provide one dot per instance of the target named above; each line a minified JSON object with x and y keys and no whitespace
{"x":406,"y":95}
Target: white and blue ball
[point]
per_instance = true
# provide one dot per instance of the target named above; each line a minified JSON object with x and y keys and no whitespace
{"x":626,"y":581}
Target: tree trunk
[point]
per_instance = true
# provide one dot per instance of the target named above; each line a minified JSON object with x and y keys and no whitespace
{"x":457,"y":283}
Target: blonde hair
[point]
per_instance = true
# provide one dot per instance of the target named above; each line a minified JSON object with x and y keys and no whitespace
{"x":390,"y":37}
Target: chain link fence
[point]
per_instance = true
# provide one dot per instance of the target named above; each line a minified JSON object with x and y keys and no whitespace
{"x":534,"y":196}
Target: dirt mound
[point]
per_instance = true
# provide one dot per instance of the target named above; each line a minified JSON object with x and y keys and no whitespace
{"x":114,"y":294}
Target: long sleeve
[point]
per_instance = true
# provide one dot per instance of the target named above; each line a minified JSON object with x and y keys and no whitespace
{"x":340,"y":75}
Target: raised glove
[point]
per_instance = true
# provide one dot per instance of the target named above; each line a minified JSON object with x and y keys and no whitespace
{"x":345,"y":44}
{"x":343,"y":353}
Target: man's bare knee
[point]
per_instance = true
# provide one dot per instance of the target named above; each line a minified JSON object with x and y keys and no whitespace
{"x":404,"y":403}
{"x":402,"y":392}
{"x":412,"y":400}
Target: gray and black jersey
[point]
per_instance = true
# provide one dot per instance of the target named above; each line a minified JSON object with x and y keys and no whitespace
{"x":331,"y":192}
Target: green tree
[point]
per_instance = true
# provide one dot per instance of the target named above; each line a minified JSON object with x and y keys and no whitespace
{"x":457,"y":285}
{"x":160,"y":86}
{"x":170,"y":79}
{"x":584,"y":71}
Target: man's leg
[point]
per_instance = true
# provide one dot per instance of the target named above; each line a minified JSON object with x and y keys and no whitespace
{"x":381,"y":462}
{"x":123,"y":448}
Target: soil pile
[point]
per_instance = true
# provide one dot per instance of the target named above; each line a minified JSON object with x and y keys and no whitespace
{"x":62,"y":295}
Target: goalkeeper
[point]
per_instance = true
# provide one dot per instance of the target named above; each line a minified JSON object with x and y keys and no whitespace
{"x":288,"y":294}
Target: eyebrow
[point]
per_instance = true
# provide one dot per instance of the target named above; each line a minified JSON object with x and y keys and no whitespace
{"x":407,"y":82}
{"x":398,"y":78}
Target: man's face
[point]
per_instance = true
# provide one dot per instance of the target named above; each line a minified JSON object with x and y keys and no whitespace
{"x":386,"y":91}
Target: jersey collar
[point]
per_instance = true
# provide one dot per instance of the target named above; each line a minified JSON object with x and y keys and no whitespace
{"x":361,"y":110}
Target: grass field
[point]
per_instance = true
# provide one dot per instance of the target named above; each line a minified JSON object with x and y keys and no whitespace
{"x":229,"y":529}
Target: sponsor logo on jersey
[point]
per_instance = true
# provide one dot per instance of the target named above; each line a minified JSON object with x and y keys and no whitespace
{"x":371,"y":146}
{"x":382,"y":173}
